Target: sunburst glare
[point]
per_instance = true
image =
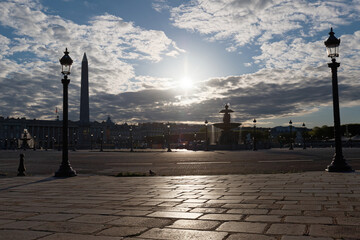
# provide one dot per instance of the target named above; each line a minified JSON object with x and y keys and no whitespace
{"x":186,"y":83}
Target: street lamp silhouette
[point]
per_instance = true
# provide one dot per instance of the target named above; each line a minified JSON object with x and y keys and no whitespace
{"x":131,"y":140}
{"x":254,"y":138}
{"x":168,"y":142}
{"x":195,"y":142}
{"x":74,"y":141}
{"x":101,"y":140}
{"x":34,"y":143}
{"x":65,"y":169}
{"x":206,"y":135}
{"x":46,"y":142}
{"x":291,"y":138}
{"x":304,"y":142}
{"x":91,"y":141}
{"x":338,"y":163}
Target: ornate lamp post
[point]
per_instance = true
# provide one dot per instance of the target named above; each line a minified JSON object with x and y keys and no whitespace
{"x":206,"y":135}
{"x":74,"y":141}
{"x":65,"y":169}
{"x":338,"y":163}
{"x":254,"y":138}
{"x":91,"y":141}
{"x":304,"y":142}
{"x":34,"y":143}
{"x":120,"y":141}
{"x":131,"y":140}
{"x":291,"y":138}
{"x":270,"y":138}
{"x":101,"y":140}
{"x":46,"y":142}
{"x":195,"y":142}
{"x":168,"y":141}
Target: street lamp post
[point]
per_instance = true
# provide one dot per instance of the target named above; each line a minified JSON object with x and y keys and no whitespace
{"x":168,"y":141}
{"x":101,"y":140}
{"x":46,"y":142}
{"x":304,"y":142}
{"x":131,"y":140}
{"x":91,"y":141}
{"x":65,"y":169}
{"x":291,"y":138}
{"x":34,"y":143}
{"x":254,"y":138}
{"x":269,"y":138}
{"x":206,"y":135}
{"x":338,"y":163}
{"x":195,"y":142}
{"x":74,"y":141}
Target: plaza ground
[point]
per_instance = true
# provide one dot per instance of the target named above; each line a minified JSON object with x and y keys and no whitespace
{"x":295,"y":206}
{"x":219,"y":203}
{"x":176,"y":163}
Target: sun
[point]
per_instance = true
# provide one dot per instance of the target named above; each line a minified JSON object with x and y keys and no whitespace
{"x":186,"y":83}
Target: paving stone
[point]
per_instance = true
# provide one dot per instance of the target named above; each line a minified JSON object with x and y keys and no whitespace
{"x":348,"y":221}
{"x":182,"y":234}
{"x":324,"y":213}
{"x":263,"y":218}
{"x":286,"y":228}
{"x":175,"y":215}
{"x":234,"y":205}
{"x":246,"y":236}
{"x":134,"y":213}
{"x":20,"y":224}
{"x":69,"y":227}
{"x":208,"y":210}
{"x":122,"y":231}
{"x":21,"y":234}
{"x":335,"y":231}
{"x":89,"y":211}
{"x":57,"y":217}
{"x":94,"y":219}
{"x":284,"y":212}
{"x":302,"y":207}
{"x":222,"y":217}
{"x":304,"y":238}
{"x":195,"y":224}
{"x":4,"y":221}
{"x":308,"y":219}
{"x":192,"y":200}
{"x":141,"y":222}
{"x":246,"y":227}
{"x":248,"y":211}
{"x":70,"y":236}
{"x":16,"y":215}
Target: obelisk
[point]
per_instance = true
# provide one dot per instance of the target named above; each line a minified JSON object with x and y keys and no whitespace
{"x":84,"y":95}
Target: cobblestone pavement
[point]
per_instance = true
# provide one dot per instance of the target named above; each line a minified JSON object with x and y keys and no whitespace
{"x":295,"y":206}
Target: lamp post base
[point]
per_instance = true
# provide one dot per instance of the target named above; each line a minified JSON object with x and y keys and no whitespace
{"x":339,"y":166}
{"x":65,"y":171}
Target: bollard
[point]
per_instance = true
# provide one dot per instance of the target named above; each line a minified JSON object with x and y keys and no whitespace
{"x":21,"y":168}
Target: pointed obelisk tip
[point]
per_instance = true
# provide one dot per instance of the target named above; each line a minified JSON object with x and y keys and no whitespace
{"x":84,"y":58}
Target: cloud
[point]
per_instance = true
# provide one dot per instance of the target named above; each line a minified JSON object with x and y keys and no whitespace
{"x":29,"y":59}
{"x":294,"y":78}
{"x":258,"y":21}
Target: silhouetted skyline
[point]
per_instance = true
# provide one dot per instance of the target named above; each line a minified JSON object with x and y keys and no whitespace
{"x":181,"y":61}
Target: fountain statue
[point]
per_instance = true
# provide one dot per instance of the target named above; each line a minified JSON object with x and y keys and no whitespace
{"x":227,"y":137}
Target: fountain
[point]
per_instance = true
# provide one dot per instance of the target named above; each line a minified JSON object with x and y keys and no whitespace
{"x":227,"y":137}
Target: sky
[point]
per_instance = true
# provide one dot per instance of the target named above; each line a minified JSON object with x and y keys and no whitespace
{"x":181,"y":61}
